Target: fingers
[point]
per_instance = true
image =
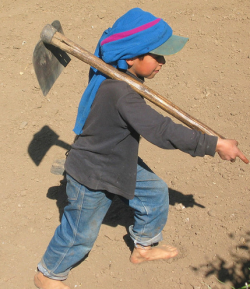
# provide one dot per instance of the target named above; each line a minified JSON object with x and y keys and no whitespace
{"x":243,"y":157}
{"x":228,"y":150}
{"x":240,"y":155}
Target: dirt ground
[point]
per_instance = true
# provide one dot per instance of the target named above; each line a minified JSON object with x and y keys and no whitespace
{"x":209,"y":198}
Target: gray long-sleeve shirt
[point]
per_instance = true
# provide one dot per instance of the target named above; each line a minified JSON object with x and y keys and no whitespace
{"x":104,"y":157}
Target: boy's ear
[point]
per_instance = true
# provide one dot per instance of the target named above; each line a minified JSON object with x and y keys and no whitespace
{"x":130,"y":62}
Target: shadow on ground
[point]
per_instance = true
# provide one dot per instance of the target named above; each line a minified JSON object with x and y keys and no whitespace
{"x":237,"y":271}
{"x":119,"y":213}
{"x":41,"y":143}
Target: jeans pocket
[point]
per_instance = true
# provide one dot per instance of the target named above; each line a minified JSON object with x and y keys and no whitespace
{"x":73,"y":188}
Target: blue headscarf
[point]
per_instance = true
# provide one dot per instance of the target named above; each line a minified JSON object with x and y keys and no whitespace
{"x":135,"y":33}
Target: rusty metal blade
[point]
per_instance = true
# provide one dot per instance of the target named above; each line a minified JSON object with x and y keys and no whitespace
{"x":49,"y":61}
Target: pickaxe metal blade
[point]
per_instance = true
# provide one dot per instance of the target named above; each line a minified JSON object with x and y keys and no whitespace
{"x":49,"y":61}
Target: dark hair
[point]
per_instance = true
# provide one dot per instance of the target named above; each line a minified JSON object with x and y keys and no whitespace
{"x":141,"y":57}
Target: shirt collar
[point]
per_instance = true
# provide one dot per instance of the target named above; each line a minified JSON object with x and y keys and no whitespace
{"x":135,"y":77}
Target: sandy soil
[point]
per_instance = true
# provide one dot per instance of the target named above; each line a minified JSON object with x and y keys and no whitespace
{"x":209,"y":212}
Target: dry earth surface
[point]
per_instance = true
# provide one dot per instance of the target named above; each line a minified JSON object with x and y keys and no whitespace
{"x":209,"y":211}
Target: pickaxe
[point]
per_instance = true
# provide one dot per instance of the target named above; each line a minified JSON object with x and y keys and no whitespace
{"x":50,"y":57}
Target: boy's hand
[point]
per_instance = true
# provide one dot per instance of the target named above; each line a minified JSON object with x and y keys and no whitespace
{"x":228,"y":150}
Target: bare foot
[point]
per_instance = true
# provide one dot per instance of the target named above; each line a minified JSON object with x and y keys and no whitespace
{"x":141,"y":254}
{"x":43,"y":282}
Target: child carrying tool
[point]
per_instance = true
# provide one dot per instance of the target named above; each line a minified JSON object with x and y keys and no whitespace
{"x":103,"y":161}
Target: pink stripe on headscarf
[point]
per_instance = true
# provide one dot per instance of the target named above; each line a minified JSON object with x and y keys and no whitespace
{"x":125,"y":34}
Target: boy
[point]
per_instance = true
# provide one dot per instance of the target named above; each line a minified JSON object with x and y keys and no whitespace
{"x":103,"y":161}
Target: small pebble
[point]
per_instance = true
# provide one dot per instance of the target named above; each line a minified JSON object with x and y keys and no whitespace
{"x":23,"y":125}
{"x":58,"y":167}
{"x":211,"y":213}
{"x":179,"y":207}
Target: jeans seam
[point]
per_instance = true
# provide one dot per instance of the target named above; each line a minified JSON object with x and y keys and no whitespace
{"x":145,"y":208}
{"x":71,"y":243}
{"x":148,"y":180}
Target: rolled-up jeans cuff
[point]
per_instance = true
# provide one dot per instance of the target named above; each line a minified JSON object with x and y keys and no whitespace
{"x":144,"y":241}
{"x":60,"y":277}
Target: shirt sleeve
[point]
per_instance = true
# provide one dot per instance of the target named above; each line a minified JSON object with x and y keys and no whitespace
{"x":162,"y":131}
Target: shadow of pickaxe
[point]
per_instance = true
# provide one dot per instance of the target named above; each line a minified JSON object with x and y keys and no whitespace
{"x":42,"y":142}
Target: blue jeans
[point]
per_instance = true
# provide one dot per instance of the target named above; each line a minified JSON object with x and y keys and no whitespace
{"x":83,"y":216}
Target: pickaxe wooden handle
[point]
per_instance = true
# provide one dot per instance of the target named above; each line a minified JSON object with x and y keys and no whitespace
{"x":51,"y":36}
